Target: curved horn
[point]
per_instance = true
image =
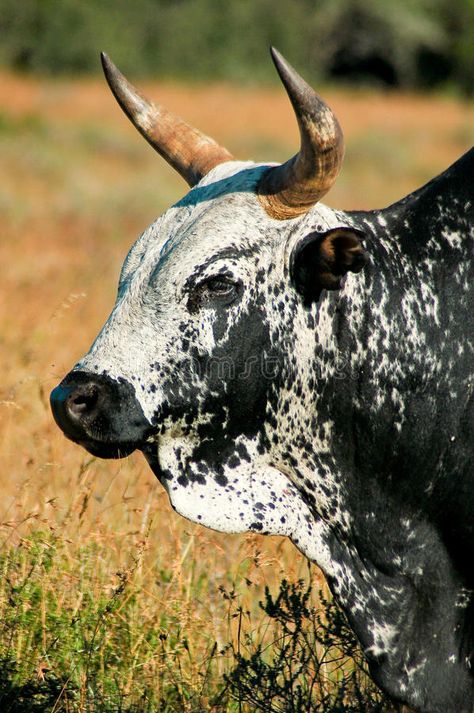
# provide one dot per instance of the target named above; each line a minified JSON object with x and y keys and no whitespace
{"x":291,"y":189}
{"x":186,"y":149}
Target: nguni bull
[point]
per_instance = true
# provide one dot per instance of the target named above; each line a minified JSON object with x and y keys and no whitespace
{"x":291,"y":369}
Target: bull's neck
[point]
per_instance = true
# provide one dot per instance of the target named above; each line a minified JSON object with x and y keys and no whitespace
{"x":360,"y":433}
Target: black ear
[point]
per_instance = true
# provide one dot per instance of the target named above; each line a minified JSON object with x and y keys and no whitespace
{"x":320,"y":260}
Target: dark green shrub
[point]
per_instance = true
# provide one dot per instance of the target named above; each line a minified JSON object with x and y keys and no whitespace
{"x":313,"y":664}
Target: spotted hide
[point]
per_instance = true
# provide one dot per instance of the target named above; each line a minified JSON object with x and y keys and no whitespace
{"x":291,"y":369}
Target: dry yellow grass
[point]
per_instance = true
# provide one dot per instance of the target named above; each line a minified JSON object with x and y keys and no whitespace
{"x":77,"y":186}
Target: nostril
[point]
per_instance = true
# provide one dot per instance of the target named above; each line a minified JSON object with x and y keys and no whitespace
{"x":83,"y":401}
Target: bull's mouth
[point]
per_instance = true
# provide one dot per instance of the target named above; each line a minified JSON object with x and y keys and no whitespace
{"x":103,"y":447}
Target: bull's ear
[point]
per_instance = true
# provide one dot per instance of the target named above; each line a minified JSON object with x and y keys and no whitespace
{"x":320,"y":260}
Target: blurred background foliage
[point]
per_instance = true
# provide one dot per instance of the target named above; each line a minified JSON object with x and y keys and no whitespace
{"x":409,"y":43}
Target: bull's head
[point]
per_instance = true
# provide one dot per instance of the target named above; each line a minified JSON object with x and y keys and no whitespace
{"x":210,"y":362}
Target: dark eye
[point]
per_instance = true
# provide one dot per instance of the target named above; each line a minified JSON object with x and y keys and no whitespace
{"x":219,"y":286}
{"x":219,"y":290}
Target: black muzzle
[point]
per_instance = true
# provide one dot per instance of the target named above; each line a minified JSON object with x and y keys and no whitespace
{"x":100,"y":413}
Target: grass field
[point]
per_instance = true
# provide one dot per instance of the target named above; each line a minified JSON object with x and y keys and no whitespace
{"x":108,"y":600}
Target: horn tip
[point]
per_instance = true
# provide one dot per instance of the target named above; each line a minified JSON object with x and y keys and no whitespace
{"x":291,"y":80}
{"x":107,"y":65}
{"x":275,"y":54}
{"x":278,"y":60}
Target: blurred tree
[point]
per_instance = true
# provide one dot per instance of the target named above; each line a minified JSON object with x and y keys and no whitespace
{"x":409,"y":43}
{"x":458,"y":18}
{"x":378,"y":41}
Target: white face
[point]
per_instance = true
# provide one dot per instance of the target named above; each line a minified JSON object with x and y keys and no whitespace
{"x":201,"y":330}
{"x":185,"y":286}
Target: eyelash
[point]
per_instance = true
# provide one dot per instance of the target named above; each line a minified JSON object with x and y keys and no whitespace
{"x":213,"y":289}
{"x":219,"y":286}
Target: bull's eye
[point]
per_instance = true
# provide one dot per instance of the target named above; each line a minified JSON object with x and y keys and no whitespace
{"x":217,"y":290}
{"x":218,"y":287}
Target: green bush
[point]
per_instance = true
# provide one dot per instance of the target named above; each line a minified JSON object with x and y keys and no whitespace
{"x":410,"y":43}
{"x":313,"y":663}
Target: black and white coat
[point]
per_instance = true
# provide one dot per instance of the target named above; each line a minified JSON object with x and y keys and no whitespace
{"x":343,"y":419}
